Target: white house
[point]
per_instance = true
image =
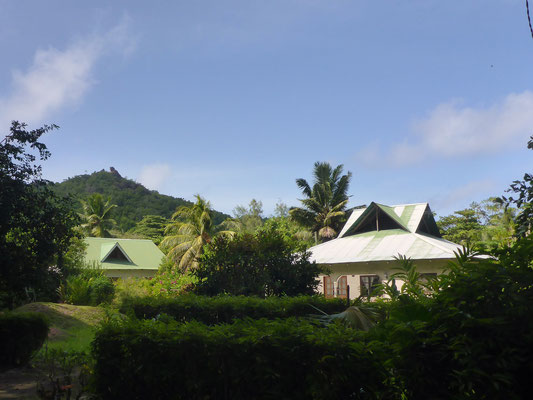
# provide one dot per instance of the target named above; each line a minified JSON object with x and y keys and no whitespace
{"x":364,"y":252}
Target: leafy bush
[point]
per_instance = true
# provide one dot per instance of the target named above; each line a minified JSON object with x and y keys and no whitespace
{"x":263,"y":264}
{"x":473,"y":338}
{"x":164,"y":284}
{"x":21,"y":335}
{"x":250,"y":359}
{"x":89,"y":287}
{"x":224,"y":309}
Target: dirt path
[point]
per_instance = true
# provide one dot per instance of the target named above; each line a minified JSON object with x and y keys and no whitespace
{"x":20,"y":383}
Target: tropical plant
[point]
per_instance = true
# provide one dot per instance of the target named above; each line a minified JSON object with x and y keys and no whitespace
{"x":191,"y":228}
{"x":97,"y":215}
{"x":36,"y":225}
{"x":325,"y":202}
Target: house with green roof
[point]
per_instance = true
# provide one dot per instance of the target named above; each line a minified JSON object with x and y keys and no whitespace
{"x":363,"y":254}
{"x":124,"y":258}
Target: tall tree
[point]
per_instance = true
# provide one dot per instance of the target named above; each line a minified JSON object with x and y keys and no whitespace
{"x":191,"y":229}
{"x":325,"y":202}
{"x":246,"y":219}
{"x":524,"y":201}
{"x":97,"y":215}
{"x":36,"y":225}
{"x":151,"y":227}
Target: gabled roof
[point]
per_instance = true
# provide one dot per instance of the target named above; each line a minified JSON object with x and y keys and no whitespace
{"x":415,"y":218}
{"x":138,"y":253}
{"x":107,"y":251}
{"x":380,"y":233}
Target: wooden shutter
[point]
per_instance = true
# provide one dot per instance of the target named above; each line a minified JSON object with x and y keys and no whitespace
{"x":328,"y":287}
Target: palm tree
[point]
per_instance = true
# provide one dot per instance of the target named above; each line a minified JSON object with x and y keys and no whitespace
{"x":326,"y":201}
{"x":191,"y":229}
{"x":97,"y":215}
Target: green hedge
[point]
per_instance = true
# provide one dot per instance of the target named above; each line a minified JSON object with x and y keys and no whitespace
{"x":250,"y":359}
{"x":224,"y":309}
{"x":21,"y":335}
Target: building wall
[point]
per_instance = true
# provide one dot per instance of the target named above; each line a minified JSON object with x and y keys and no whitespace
{"x":130,"y":273}
{"x":383,"y":269}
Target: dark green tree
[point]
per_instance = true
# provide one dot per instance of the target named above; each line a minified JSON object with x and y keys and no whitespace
{"x":524,"y":201}
{"x":463,"y":227}
{"x":325,"y":202}
{"x":151,"y":227}
{"x":36,"y":225}
{"x":263,"y":264}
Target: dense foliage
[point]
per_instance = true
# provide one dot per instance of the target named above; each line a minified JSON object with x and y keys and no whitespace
{"x":134,"y":201}
{"x":21,"y":335}
{"x":249,"y":359}
{"x":263,"y":264}
{"x":89,"y":287}
{"x":36,"y":225}
{"x":523,"y":199}
{"x":485,"y":225}
{"x":224,"y":309}
{"x":471,"y":337}
{"x":150,"y":227}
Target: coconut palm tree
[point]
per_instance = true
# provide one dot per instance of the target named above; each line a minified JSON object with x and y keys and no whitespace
{"x":326,"y":201}
{"x":191,"y":229}
{"x":97,"y":215}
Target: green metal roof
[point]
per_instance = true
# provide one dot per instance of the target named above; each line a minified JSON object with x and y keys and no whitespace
{"x":144,"y":254}
{"x":413,"y":234}
{"x":411,"y":217}
{"x":382,"y":246}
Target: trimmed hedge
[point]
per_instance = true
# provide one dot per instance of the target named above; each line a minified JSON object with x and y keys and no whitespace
{"x":21,"y":335}
{"x":225,"y":309}
{"x":249,"y":359}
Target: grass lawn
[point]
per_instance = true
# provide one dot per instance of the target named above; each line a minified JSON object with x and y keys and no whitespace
{"x":72,"y":328}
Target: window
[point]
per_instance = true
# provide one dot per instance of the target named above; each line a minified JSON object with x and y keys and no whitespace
{"x":367,"y":284}
{"x":342,"y":287}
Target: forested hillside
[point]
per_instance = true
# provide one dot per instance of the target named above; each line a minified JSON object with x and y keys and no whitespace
{"x":134,"y":201}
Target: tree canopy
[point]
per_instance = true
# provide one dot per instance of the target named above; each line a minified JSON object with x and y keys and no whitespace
{"x":36,"y":225}
{"x":323,"y":208}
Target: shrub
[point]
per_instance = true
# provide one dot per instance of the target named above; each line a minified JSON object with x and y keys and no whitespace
{"x":21,"y":335}
{"x":102,"y":290}
{"x":89,"y":287}
{"x":263,"y":264}
{"x":250,"y":359}
{"x":224,"y":309}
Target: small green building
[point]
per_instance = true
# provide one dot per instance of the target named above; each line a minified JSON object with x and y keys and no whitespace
{"x":124,"y":258}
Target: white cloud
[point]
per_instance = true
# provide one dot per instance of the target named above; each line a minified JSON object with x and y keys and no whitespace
{"x":59,"y":78}
{"x":452,"y":130}
{"x":154,"y":176}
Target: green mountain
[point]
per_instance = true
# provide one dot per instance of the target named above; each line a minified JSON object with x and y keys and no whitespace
{"x":134,"y":201}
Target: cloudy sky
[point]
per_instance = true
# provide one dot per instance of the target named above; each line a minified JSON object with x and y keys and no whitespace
{"x":422,"y":100}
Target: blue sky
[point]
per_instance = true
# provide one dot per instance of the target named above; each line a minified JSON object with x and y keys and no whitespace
{"x":422,"y":100}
